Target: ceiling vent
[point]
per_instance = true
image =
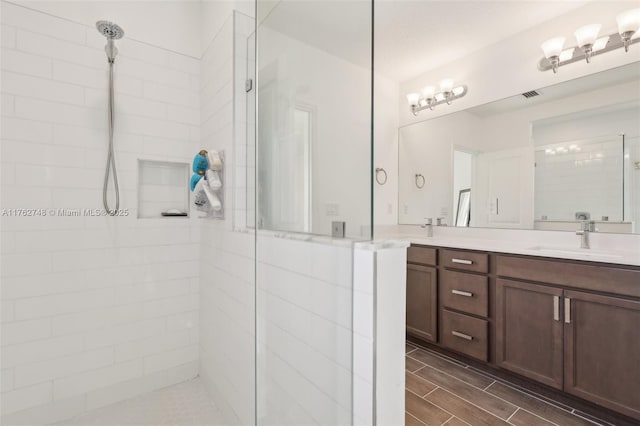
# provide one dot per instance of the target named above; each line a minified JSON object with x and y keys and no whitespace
{"x":531,"y":94}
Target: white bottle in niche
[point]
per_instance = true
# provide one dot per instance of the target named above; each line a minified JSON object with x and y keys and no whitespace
{"x":213,"y":179}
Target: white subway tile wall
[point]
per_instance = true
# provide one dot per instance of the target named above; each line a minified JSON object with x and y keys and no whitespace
{"x":305,"y":331}
{"x":94,"y":309}
{"x":591,"y":175}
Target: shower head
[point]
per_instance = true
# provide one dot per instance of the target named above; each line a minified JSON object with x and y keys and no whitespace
{"x":110,"y":30}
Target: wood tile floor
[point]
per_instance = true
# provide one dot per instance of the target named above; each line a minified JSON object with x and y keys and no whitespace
{"x":443,"y":391}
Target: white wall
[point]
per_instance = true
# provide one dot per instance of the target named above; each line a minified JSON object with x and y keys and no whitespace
{"x":95,"y":309}
{"x":427,"y":148}
{"x":339,"y":94}
{"x":385,"y":140}
{"x":172,"y":25}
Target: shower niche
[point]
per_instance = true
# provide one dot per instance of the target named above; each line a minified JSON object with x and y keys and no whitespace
{"x":162,"y":189}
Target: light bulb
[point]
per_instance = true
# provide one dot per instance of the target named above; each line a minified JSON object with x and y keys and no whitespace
{"x":588,"y":34}
{"x":628,"y":21}
{"x":428,"y":92}
{"x":446,"y":85}
{"x":628,"y":25}
{"x":458,"y":90}
{"x":552,"y":47}
{"x":413,"y":99}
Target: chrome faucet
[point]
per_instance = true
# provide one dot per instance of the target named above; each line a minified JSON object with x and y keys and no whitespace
{"x":586,"y":227}
{"x":429,"y":226}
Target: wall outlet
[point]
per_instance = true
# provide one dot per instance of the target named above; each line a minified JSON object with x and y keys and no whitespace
{"x":338,"y":229}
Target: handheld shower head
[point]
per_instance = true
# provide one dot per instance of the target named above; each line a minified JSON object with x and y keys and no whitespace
{"x":112,"y":32}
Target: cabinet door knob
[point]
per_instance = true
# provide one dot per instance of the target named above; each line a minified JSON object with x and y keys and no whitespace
{"x":567,"y":310}
{"x":462,"y":293}
{"x":462,"y":335}
{"x":462,"y":261}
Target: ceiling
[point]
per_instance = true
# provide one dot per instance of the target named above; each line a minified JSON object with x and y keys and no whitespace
{"x":411,"y":36}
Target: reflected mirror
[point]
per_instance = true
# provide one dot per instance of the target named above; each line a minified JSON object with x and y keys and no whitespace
{"x":545,"y":160}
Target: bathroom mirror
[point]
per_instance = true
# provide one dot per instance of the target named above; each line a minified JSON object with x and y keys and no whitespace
{"x":547,"y":160}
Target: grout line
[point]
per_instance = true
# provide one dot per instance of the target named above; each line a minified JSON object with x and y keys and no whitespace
{"x":447,"y":421}
{"x":431,"y":391}
{"x":573,"y":412}
{"x":454,"y":377}
{"x":539,"y":416}
{"x":488,"y":386}
{"x":513,"y":414}
{"x":409,"y":414}
{"x":477,"y":406}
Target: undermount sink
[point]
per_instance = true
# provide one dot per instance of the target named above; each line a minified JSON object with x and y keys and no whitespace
{"x":576,"y":251}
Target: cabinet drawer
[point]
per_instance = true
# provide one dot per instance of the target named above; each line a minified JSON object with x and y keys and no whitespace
{"x":465,"y":260}
{"x":421,"y":255}
{"x":465,"y":292}
{"x":464,"y":334}
{"x":622,"y":280}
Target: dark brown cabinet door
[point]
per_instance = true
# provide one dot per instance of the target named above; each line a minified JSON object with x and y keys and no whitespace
{"x":529,"y":331}
{"x":422,"y":302}
{"x":602,"y":351}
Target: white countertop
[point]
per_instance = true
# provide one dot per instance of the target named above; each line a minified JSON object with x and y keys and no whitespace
{"x":558,"y":245}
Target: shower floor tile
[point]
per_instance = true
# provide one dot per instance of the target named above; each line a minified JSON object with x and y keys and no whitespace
{"x":184,"y":404}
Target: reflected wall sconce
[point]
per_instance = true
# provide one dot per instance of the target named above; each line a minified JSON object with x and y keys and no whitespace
{"x":429,"y":99}
{"x":589,"y":44}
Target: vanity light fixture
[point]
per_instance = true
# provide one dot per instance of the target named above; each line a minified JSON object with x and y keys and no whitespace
{"x":589,"y":44}
{"x":429,"y":98}
{"x":628,"y":26}
{"x":586,"y":37}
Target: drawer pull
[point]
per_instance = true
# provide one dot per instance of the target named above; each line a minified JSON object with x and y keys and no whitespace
{"x":462,"y":335}
{"x":462,"y":261}
{"x":567,"y":310}
{"x":556,"y":308}
{"x":462,"y":293}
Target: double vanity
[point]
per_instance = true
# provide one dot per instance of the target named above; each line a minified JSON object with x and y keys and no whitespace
{"x":561,"y":320}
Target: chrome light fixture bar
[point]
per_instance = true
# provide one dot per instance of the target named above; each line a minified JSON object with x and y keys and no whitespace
{"x":589,"y":44}
{"x":430,"y":99}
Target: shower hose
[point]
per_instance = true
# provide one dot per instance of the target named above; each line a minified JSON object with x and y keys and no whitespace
{"x":111,"y":161}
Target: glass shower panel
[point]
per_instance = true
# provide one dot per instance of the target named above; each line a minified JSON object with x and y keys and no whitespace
{"x":314,"y":71}
{"x":313,"y":167}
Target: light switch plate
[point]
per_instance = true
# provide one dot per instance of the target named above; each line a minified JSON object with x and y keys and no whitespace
{"x":338,"y":229}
